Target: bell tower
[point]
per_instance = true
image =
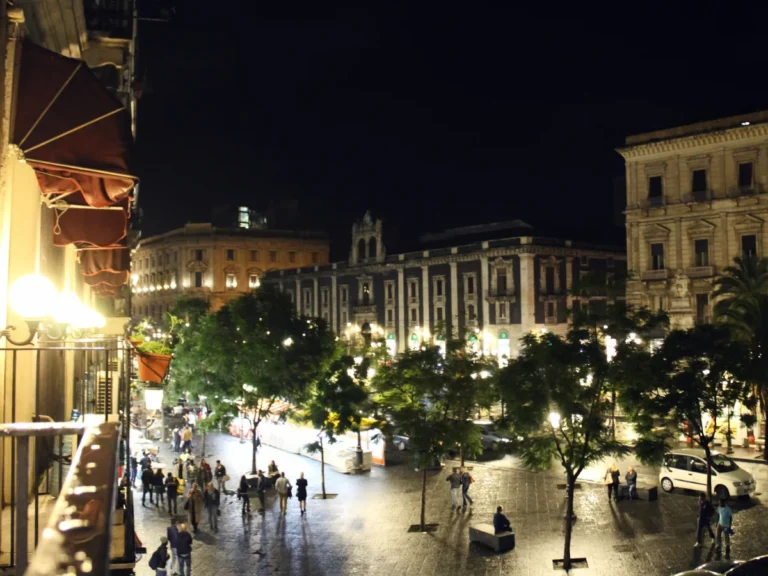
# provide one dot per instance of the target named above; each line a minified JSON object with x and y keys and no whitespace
{"x":367,"y":245}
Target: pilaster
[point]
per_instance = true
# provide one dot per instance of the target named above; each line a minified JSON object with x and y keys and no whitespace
{"x":527,"y":293}
{"x":482,"y":293}
{"x":425,"y":296}
{"x":454,"y":300}
{"x":298,"y":297}
{"x":334,"y":306}
{"x":315,"y":302}
{"x":401,"y":319}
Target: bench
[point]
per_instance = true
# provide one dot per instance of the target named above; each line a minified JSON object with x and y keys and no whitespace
{"x":485,"y":534}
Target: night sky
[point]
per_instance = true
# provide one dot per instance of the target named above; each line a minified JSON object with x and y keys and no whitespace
{"x":432,"y":115}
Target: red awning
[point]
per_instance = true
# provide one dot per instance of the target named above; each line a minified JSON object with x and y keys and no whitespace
{"x":93,"y":262}
{"x":89,"y":227}
{"x":109,"y":278}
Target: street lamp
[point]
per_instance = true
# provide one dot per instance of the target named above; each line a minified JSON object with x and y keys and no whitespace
{"x":554,"y":419}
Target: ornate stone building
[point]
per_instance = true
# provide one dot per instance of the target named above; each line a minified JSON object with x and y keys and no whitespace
{"x":492,"y":290}
{"x":214,"y":263}
{"x":696,"y":198}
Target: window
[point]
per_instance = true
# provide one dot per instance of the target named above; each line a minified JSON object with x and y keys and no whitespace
{"x":655,"y":188}
{"x":307,"y":297}
{"x":198,"y":279}
{"x":231,"y":281}
{"x":315,"y":257}
{"x":699,"y":181}
{"x":698,"y":465}
{"x":230,"y":255}
{"x":702,"y":308}
{"x":701,"y":252}
{"x":152,"y":261}
{"x":390,"y":316}
{"x":390,"y":291}
{"x":343,"y":317}
{"x":470,"y":284}
{"x":290,"y":295}
{"x":745,"y":175}
{"x":471,"y":313}
{"x":439,"y":313}
{"x":292,"y":257}
{"x":243,"y":217}
{"x":584,"y":261}
{"x":324,"y":294}
{"x":272,"y":256}
{"x":501,"y":281}
{"x":253,"y":281}
{"x":502,"y":310}
{"x":343,"y":294}
{"x":549,"y":279}
{"x":414,"y":315}
{"x":657,"y":256}
{"x":199,"y":255}
{"x":413,"y":288}
{"x":749,"y":245}
{"x":366,"y":294}
{"x":659,"y":303}
{"x":254,"y":255}
{"x":325,"y":316}
{"x":439,"y":288}
{"x":550,"y":310}
{"x":146,"y":262}
{"x":175,"y":254}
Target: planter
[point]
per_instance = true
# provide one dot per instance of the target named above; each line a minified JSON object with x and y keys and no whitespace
{"x":153,"y":367}
{"x":136,"y":342}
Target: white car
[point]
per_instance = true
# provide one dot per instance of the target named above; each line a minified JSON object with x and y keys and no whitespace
{"x":687,"y":468}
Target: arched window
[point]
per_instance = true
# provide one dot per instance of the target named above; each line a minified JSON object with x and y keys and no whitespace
{"x":372,"y":248}
{"x":361,"y":250}
{"x":366,"y":294}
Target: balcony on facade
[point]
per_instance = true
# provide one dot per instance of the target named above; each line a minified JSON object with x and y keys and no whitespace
{"x":651,"y":275}
{"x":697,"y":196}
{"x":700,"y":272}
{"x":495,"y":295}
{"x":653,"y":202}
{"x":745,"y":191}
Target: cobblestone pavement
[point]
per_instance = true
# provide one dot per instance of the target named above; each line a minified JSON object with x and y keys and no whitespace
{"x":364,"y":529}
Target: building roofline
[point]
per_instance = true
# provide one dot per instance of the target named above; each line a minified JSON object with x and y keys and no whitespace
{"x":206,"y":229}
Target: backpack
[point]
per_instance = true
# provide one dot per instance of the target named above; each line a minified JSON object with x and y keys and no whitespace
{"x":154,"y":562}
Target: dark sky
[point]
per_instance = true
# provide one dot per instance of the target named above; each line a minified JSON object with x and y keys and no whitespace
{"x":430,"y":114}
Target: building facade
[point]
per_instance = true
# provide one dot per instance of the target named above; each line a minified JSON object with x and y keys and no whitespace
{"x":213,"y":263}
{"x":696,"y":198}
{"x":490,"y":291}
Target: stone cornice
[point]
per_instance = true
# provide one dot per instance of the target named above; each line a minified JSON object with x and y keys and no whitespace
{"x":694,"y":141}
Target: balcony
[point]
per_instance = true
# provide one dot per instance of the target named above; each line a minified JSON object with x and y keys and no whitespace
{"x":363,"y":307}
{"x":700,"y":272}
{"x":697,"y":196}
{"x":652,"y":275}
{"x":745,"y":191}
{"x":653,"y":202}
{"x":494,"y":295}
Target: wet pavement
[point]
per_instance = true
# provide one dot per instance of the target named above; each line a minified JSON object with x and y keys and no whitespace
{"x":364,"y":530}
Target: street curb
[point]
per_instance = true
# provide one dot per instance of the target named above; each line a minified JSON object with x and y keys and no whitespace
{"x":749,"y":460}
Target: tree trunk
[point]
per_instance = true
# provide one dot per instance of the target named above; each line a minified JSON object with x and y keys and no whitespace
{"x":202,"y":452}
{"x":765,"y":423}
{"x":461,"y":454}
{"x":613,"y":415}
{"x":571,"y":483}
{"x":254,"y":437}
{"x":424,"y":499}
{"x":322,"y":466}
{"x":709,"y":470}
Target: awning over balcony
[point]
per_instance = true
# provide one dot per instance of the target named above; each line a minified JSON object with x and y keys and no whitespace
{"x":111,"y":279}
{"x":93,"y":262}
{"x":77,"y":223}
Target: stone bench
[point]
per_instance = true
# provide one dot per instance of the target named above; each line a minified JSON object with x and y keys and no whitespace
{"x":485,"y":534}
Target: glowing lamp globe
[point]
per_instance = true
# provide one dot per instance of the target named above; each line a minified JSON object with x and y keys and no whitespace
{"x":31,"y":296}
{"x":67,"y":308}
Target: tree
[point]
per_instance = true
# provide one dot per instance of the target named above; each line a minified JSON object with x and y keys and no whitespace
{"x":559,"y":385}
{"x":411,"y":393}
{"x":694,"y":378}
{"x":190,"y":308}
{"x":252,"y":353}
{"x":742,"y":305}
{"x":334,"y":406}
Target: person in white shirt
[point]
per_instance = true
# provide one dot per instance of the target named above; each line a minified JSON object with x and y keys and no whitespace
{"x":283,"y":486}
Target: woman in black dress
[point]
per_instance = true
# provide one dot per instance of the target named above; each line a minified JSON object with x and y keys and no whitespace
{"x":301,"y":493}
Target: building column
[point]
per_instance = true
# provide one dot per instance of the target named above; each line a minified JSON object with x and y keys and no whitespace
{"x":401,"y":319}
{"x":482,"y":292}
{"x":315,"y":303}
{"x":569,"y":282}
{"x":298,"y":296}
{"x":334,"y":306}
{"x":679,"y":244}
{"x":282,"y":289}
{"x":527,"y":293}
{"x":454,"y":300}
{"x":725,"y":258}
{"x":425,"y":296}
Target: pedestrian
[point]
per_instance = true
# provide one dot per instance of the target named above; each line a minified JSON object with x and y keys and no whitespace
{"x":631,"y":478}
{"x":184,"y":551}
{"x":159,"y":558}
{"x":134,"y":468}
{"x":194,"y":505}
{"x":145,"y":460}
{"x":207,"y":475}
{"x":500,"y":522}
{"x":283,"y":487}
{"x":612,"y":481}
{"x":301,"y":493}
{"x":724,"y":522}
{"x":186,"y":438}
{"x":455,"y":486}
{"x":273,"y":472}
{"x":172,"y":487}
{"x":172,"y":533}
{"x":212,"y":498}
{"x":242,"y":493}
{"x":147,"y":484}
{"x":466,"y":481}
{"x":220,"y":473}
{"x":261,"y":486}
{"x":159,"y":482}
{"x":703,"y":519}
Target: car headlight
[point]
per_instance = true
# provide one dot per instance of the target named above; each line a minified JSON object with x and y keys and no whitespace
{"x":738,"y":483}
{"x":505,"y":439}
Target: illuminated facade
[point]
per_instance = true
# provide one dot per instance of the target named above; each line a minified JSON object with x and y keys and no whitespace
{"x":491,"y":291}
{"x":213,"y":263}
{"x":696,"y":198}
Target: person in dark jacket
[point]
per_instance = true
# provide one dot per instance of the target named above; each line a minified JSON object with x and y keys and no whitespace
{"x":261,"y":486}
{"x":145,"y":461}
{"x":631,"y":478}
{"x":159,"y":558}
{"x":220,"y":472}
{"x":704,"y":519}
{"x":612,"y":476}
{"x":159,"y":482}
{"x":134,"y":469}
{"x":172,"y":533}
{"x":211,"y":501}
{"x":184,"y":548}
{"x":242,"y":493}
{"x":172,"y":487}
{"x":301,"y":493}
{"x":500,"y":522}
{"x":147,"y":484}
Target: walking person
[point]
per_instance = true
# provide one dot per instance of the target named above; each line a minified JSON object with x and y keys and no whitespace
{"x":704,"y":519}
{"x":176,"y":440}
{"x":145,"y":461}
{"x":212,"y":499}
{"x":724,"y":522}
{"x":172,"y":487}
{"x":186,"y":439}
{"x":184,"y":550}
{"x":194,"y":505}
{"x":172,"y":533}
{"x":242,"y":493}
{"x":455,"y":479}
{"x":159,"y":558}
{"x":134,"y":468}
{"x":631,"y":478}
{"x":204,"y":474}
{"x":159,"y":482}
{"x":466,"y":481}
{"x":283,"y":487}
{"x":301,"y":493}
{"x":147,"y":484}
{"x":261,"y":486}
{"x":220,"y":473}
{"x":612,"y":481}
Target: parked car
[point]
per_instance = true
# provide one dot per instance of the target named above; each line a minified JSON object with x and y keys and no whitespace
{"x":687,"y":468}
{"x":489,"y":436}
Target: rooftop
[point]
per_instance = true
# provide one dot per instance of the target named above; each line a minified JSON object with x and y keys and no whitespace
{"x":208,"y":229}
{"x":699,"y":128}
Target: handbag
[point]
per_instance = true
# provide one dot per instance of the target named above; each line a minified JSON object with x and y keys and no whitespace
{"x":186,"y":505}
{"x":290,"y":491}
{"x":225,"y":478}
